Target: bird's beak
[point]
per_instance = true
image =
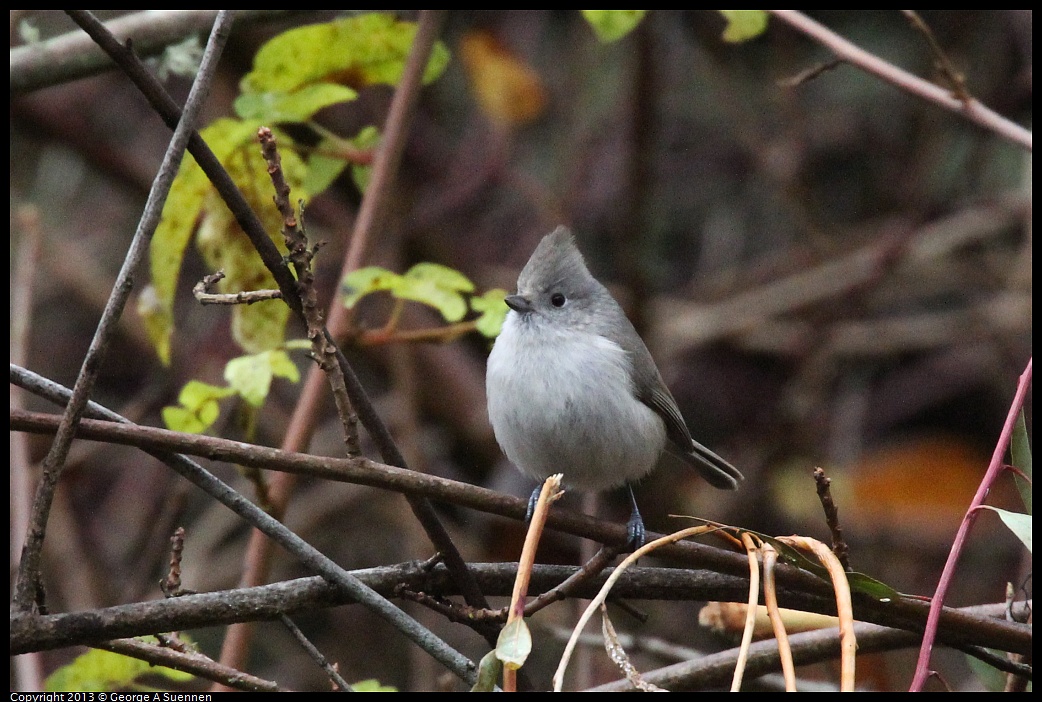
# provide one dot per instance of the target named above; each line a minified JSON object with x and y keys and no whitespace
{"x":519,"y":303}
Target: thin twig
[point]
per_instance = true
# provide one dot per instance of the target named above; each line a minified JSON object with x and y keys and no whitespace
{"x":956,"y":80}
{"x":995,"y":468}
{"x":809,"y":74}
{"x":395,"y":134}
{"x":35,"y":633}
{"x":171,"y":585}
{"x":29,"y":673}
{"x":839,"y":544}
{"x":591,"y":569}
{"x":972,"y":109}
{"x":300,"y":255}
{"x":203,"y":296}
{"x":448,"y":609}
{"x":73,"y":56}
{"x":315,"y":654}
{"x":54,"y":463}
{"x":194,"y":663}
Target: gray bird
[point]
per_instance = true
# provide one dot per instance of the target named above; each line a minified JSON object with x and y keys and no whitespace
{"x":572,"y":388}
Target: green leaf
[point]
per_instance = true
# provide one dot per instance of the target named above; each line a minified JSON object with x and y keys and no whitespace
{"x":743,"y":25}
{"x":198,"y":409}
{"x":362,"y":281}
{"x":372,"y":685}
{"x":196,"y":394}
{"x":189,"y":421}
{"x":357,"y":51}
{"x":259,"y":326}
{"x":449,"y":302}
{"x":514,"y":644}
{"x":102,"y":671}
{"x":493,"y":311}
{"x":251,"y":376}
{"x":438,"y":286}
{"x":429,"y":283}
{"x":1019,"y":524}
{"x":612,"y":25}
{"x":442,"y":276}
{"x":297,"y":106}
{"x":867,"y":585}
{"x":1020,"y":452}
{"x":282,"y":366}
{"x":323,"y":169}
{"x":489,"y":670}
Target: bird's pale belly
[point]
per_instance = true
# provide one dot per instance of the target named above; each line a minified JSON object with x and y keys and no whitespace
{"x":577,"y":418}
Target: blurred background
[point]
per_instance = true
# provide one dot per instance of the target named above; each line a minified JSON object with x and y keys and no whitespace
{"x":828,"y":271}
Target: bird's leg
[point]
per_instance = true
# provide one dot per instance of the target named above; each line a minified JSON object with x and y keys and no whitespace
{"x":635,"y":526}
{"x":532,"y":503}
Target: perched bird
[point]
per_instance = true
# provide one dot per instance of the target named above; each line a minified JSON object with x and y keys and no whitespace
{"x":572,"y":388}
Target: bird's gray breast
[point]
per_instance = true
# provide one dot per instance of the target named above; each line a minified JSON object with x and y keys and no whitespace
{"x":563,"y":402}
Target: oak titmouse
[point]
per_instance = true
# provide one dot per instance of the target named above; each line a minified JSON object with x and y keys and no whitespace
{"x":572,"y":388}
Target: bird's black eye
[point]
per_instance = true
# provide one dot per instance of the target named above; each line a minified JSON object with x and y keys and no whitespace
{"x":557,"y":300}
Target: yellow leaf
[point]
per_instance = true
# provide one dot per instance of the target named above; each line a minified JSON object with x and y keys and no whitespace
{"x":357,"y":51}
{"x":743,"y":25}
{"x":508,"y":90}
{"x":612,"y":25}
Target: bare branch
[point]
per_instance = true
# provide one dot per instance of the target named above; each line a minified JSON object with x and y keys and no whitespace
{"x":316,"y":655}
{"x":995,"y":468}
{"x":194,"y":663}
{"x":972,"y":109}
{"x":308,"y":554}
{"x":54,"y":463}
{"x":202,"y":293}
{"x":72,"y":56}
{"x":267,"y":602}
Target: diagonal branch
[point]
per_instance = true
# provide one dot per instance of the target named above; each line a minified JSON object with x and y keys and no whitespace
{"x":308,"y":554}
{"x":970,"y":108}
{"x":73,"y":56}
{"x":907,"y":613}
{"x":995,"y":469}
{"x":54,"y":462}
{"x":272,"y":259}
